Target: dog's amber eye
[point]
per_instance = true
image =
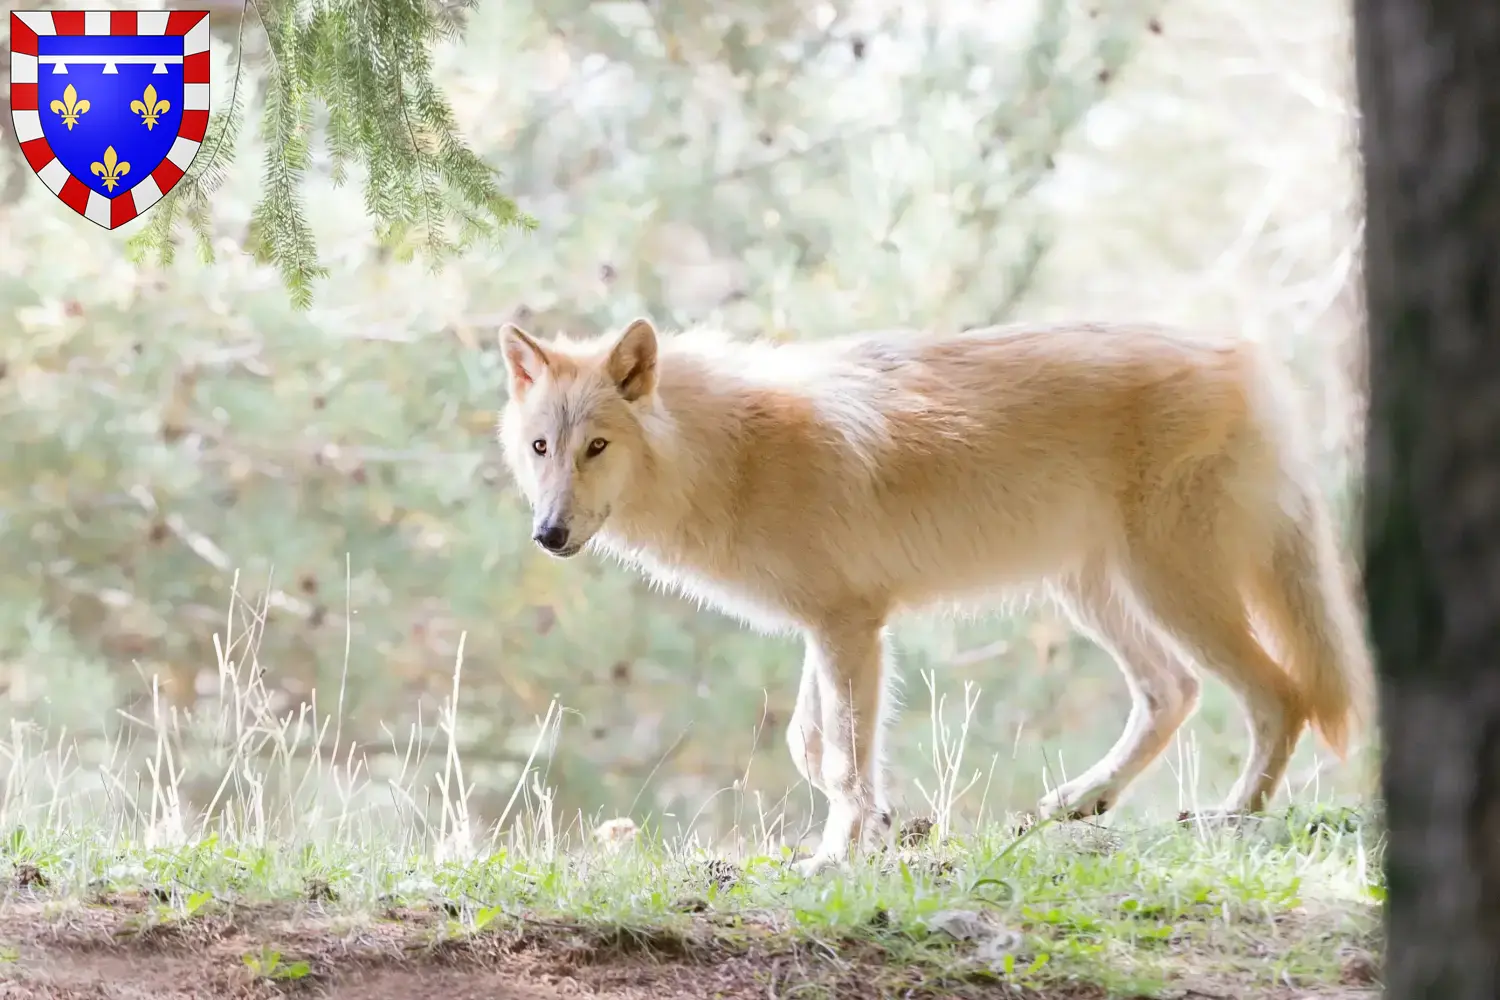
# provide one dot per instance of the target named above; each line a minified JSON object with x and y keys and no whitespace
{"x":596,"y":446}
{"x":539,"y":446}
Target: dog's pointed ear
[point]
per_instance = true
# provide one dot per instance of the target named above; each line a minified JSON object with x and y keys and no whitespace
{"x":525,"y":360}
{"x":632,"y":361}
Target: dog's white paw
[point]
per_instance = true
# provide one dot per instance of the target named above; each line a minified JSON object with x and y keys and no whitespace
{"x":849,"y":833}
{"x":1080,"y":798}
{"x":816,"y":865}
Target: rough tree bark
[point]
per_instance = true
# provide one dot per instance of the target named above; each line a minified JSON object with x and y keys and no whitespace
{"x":1429,"y":91}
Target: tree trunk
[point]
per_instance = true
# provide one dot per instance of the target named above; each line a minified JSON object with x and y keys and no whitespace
{"x":1429,"y":91}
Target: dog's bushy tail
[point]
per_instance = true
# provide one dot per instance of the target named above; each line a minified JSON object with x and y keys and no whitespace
{"x":1310,"y":609}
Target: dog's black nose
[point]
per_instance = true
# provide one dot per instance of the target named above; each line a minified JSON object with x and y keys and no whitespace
{"x":553,"y":538}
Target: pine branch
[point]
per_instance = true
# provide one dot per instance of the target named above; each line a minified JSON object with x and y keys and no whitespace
{"x":368,"y":64}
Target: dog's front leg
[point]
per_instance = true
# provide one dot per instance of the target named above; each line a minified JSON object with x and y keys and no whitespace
{"x":848,"y":656}
{"x":804,"y":734}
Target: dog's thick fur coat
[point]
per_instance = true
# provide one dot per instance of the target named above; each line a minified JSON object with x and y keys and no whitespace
{"x":1151,"y":482}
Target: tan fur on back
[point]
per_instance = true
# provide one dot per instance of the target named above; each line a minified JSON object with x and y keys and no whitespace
{"x":807,"y":485}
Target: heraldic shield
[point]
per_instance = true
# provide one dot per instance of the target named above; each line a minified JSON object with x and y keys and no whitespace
{"x":109,"y":106}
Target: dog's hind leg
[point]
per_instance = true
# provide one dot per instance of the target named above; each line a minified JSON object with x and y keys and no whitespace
{"x":1202,"y":611}
{"x":804,"y":734}
{"x":1163,"y":692}
{"x":847,"y":655}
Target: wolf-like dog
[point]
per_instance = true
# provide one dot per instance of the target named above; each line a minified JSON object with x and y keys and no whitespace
{"x":1150,"y":481}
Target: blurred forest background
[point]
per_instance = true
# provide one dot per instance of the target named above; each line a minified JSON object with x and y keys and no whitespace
{"x":780,"y":168}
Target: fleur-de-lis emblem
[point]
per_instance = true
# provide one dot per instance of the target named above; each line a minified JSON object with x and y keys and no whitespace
{"x":150,"y":109}
{"x":70,"y":107}
{"x":111,"y":170}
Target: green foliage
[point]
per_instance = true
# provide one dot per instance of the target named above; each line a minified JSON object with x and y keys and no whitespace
{"x":369,"y":68}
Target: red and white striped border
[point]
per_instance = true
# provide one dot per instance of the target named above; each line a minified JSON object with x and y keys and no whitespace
{"x":110,"y":213}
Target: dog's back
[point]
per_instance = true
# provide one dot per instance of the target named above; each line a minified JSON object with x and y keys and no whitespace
{"x":935,"y":469}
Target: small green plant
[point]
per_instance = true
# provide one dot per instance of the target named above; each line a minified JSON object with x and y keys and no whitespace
{"x":194,"y":903}
{"x":1026,"y":977}
{"x":268,"y":965}
{"x":176,"y":909}
{"x":485,"y":916}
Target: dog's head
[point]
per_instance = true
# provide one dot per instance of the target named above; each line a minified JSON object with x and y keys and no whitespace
{"x":571,"y":431}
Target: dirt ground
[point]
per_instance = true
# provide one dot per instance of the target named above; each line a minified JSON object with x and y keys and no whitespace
{"x":119,"y":953}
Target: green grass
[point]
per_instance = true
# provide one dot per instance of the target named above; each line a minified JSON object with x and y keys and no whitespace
{"x":1274,"y":901}
{"x":292,"y":823}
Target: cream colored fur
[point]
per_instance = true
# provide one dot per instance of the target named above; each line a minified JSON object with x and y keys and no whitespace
{"x":1152,"y":483}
